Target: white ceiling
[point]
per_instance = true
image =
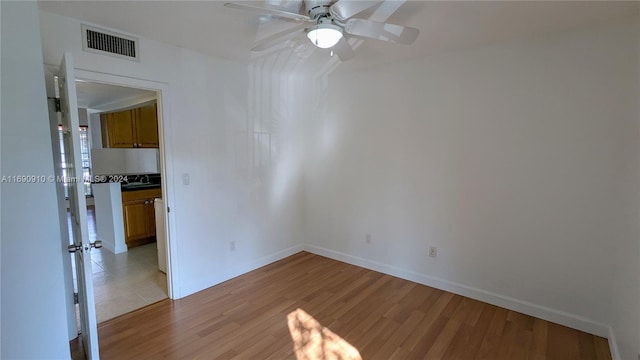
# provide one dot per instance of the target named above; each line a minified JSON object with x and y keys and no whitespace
{"x":98,"y":96}
{"x":210,"y":28}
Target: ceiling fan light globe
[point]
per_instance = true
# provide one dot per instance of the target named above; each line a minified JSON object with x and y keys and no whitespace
{"x":325,"y":35}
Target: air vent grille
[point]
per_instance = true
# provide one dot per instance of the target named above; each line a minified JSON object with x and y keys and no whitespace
{"x":107,"y":42}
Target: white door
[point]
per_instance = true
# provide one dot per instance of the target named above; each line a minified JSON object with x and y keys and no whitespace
{"x":78,"y":205}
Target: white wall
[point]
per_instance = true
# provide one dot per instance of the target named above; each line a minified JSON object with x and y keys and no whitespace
{"x":124,"y":161}
{"x":33,"y":314}
{"x":626,"y":283}
{"x":109,"y":218}
{"x":234,"y":194}
{"x":519,"y":161}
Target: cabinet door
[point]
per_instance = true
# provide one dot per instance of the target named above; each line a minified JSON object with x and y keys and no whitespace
{"x":136,"y":220}
{"x":119,"y":126}
{"x":146,"y":127}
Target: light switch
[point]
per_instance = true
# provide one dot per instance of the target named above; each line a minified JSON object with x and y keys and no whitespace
{"x":185,"y":179}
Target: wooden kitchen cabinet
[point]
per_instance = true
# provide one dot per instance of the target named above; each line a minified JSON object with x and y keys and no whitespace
{"x":117,"y":129}
{"x":135,"y":128}
{"x":136,"y":220}
{"x":139,"y":216}
{"x":146,"y":127}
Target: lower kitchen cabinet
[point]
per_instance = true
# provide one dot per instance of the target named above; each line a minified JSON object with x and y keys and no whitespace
{"x":139,"y":216}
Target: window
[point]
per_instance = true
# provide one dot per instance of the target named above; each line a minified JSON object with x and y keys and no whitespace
{"x":86,"y":160}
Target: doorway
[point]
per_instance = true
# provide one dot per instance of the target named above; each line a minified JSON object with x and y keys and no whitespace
{"x":115,"y":274}
{"x":127,"y":274}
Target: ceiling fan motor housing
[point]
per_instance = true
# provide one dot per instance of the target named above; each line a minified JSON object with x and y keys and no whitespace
{"x":317,"y":8}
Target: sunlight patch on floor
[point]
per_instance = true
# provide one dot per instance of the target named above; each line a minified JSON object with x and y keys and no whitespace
{"x":312,"y":341}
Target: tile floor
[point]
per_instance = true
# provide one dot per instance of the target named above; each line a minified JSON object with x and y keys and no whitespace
{"x":127,"y":281}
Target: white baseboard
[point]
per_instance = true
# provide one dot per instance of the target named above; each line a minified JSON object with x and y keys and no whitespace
{"x":613,"y":345}
{"x":266,"y":260}
{"x":243,"y":268}
{"x":525,"y":307}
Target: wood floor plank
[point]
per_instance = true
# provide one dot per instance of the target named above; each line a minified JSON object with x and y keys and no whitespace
{"x":431,"y":320}
{"x":492,"y":335}
{"x":469,"y":348}
{"x":586,"y":346}
{"x":562,"y":343}
{"x":538,"y":347}
{"x":406,"y":329}
{"x":428,"y":340}
{"x":450,"y":330}
{"x":361,"y":333}
{"x":381,"y":316}
{"x":602,"y":348}
{"x":381,"y":332}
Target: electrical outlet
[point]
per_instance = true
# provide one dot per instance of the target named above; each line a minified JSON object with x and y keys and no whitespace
{"x":367,"y":238}
{"x":433,"y":251}
{"x":186,"y":180}
{"x":232,"y":246}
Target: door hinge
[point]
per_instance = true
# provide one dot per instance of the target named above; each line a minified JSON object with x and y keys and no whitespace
{"x":56,"y":101}
{"x":168,"y":209}
{"x":75,"y":298}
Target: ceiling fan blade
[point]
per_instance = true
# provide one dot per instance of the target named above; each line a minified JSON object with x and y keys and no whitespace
{"x":277,"y":38}
{"x":381,"y":31}
{"x":343,"y":50}
{"x":344,"y":9}
{"x":268,"y":10}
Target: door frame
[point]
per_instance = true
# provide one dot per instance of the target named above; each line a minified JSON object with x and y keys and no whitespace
{"x":166,"y":158}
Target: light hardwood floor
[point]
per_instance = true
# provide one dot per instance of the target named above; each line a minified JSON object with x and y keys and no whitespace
{"x":308,"y":306}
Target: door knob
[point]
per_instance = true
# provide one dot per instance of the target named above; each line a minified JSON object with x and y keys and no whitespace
{"x":73,"y":248}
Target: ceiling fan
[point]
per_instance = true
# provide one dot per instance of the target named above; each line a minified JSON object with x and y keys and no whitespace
{"x":326,"y":24}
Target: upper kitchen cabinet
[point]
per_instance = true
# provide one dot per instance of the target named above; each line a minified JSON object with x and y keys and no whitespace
{"x":134,"y":128}
{"x":117,"y":129}
{"x":146,"y":126}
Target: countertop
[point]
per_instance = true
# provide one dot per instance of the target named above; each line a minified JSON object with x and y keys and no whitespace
{"x":139,"y":186}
